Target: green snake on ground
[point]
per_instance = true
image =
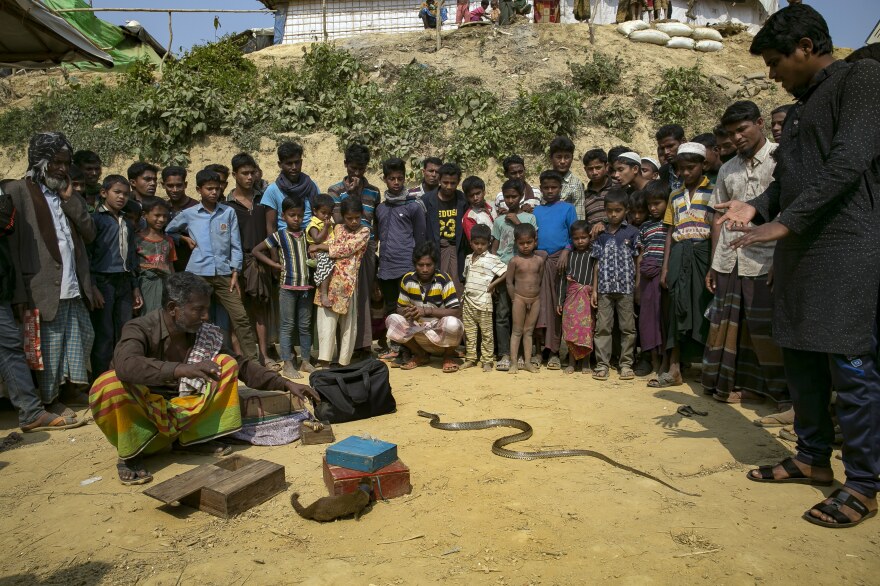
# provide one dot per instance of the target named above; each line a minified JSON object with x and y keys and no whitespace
{"x":499,"y":450}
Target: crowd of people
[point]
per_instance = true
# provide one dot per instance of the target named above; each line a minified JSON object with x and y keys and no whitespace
{"x":652,"y":263}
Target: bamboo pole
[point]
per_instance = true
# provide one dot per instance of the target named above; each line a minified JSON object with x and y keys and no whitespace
{"x":170,"y":40}
{"x":324,"y":17}
{"x":590,"y":22}
{"x":440,"y":4}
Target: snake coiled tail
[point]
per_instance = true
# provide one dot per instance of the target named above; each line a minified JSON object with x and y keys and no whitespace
{"x":526,"y":432}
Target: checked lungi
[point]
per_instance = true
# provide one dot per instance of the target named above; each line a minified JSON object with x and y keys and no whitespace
{"x":577,"y":320}
{"x":740,"y":352}
{"x":66,"y":343}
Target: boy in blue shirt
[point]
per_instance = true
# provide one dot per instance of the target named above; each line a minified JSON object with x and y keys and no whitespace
{"x":554,"y":219}
{"x":113,"y":263}
{"x":615,"y":280}
{"x":291,"y":182}
{"x":210,"y":229}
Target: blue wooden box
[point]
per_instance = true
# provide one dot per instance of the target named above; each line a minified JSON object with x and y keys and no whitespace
{"x":362,"y":454}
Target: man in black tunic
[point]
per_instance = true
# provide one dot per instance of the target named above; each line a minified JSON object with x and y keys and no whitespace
{"x":823,"y":208}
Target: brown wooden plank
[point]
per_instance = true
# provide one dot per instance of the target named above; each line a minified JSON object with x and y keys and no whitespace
{"x":245,"y":476}
{"x":261,"y":481}
{"x":185,"y":484}
{"x":261,"y":491}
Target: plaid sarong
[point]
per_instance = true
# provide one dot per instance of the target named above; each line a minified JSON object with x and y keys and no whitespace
{"x":444,"y":332}
{"x":66,"y":344}
{"x":137,"y":421}
{"x":209,"y":340}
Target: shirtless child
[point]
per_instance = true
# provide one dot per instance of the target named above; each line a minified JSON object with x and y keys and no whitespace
{"x":524,"y":274}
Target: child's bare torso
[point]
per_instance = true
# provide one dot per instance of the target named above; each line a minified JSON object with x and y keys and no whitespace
{"x":528,"y":274}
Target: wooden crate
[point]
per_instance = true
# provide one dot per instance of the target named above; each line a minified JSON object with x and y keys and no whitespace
{"x":224,"y":488}
{"x":388,"y":482}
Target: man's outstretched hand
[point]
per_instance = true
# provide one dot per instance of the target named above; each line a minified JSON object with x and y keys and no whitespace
{"x":738,"y":214}
{"x":206,"y":369}
{"x":302,"y":392}
{"x":769,"y":232}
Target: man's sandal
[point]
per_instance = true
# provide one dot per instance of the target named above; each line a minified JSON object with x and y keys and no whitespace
{"x":134,"y":471}
{"x":600,"y":374}
{"x":795,"y":476}
{"x":840,"y":498}
{"x":415,"y":362}
{"x":450,"y":365}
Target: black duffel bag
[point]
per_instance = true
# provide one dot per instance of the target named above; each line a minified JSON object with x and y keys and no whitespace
{"x":356,"y":391}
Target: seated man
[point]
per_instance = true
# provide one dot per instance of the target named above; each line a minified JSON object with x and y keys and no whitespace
{"x":172,"y":382}
{"x":428,"y":318}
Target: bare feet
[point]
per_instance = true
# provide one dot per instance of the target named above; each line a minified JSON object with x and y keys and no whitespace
{"x":530,"y":367}
{"x":513,"y":368}
{"x":132,"y":471}
{"x":569,"y":369}
{"x":468,"y":364}
{"x":289,"y":370}
{"x":306,"y":367}
{"x":487,"y":366}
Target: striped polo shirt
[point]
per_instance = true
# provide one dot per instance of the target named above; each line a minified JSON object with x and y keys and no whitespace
{"x":652,"y":233}
{"x":689,"y":215}
{"x":440,"y":292}
{"x":292,"y":249}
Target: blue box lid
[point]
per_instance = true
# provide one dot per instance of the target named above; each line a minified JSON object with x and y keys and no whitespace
{"x":361,"y":446}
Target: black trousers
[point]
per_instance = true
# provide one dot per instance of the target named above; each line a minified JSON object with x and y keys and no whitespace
{"x":811,"y":376}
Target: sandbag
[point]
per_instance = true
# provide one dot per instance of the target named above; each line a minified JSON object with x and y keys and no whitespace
{"x":652,"y":36}
{"x":680,"y":43}
{"x":674,"y":29}
{"x":705,"y":33}
{"x":629,"y":27}
{"x":707,"y":46}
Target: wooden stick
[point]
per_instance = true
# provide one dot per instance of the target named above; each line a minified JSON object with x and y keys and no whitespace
{"x":324,"y":24}
{"x":440,"y":4}
{"x":170,"y":40}
{"x":401,"y":540}
{"x":685,"y":555}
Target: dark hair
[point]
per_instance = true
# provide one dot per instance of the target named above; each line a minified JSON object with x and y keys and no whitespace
{"x":173,"y":171}
{"x":393,"y":164}
{"x":473,"y":182}
{"x":357,"y":154}
{"x":690,"y":158}
{"x":484,"y":3}
{"x":579,"y":226}
{"x":182,"y":287}
{"x":207,"y":175}
{"x":512,"y":160}
{"x":595,"y":155}
{"x":432,"y":161}
{"x":221,"y":170}
{"x":323,"y":200}
{"x":871,"y":51}
{"x":550,"y":175}
{"x":289,"y":149}
{"x":783,"y":109}
{"x":449,"y":169}
{"x":427,"y":248}
{"x":561,"y":144}
{"x":524,"y":229}
{"x":637,"y":200}
{"x":615,"y":152}
{"x":156,"y":202}
{"x":515,"y":184}
{"x":292,"y":202}
{"x":720,"y":132}
{"x":707,"y":139}
{"x":481,"y":232}
{"x":75,"y":173}
{"x":139,"y":168}
{"x":351,"y":205}
{"x":81,"y":158}
{"x":784,"y":30}
{"x":132,"y":207}
{"x":744,"y":110}
{"x":656,"y":189}
{"x":111,"y":180}
{"x":617,"y":195}
{"x":670,"y":130}
{"x":243,"y":160}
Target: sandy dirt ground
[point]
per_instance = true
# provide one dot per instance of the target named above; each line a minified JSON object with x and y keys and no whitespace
{"x":472,"y":517}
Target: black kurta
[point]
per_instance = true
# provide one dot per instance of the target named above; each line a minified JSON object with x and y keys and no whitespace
{"x":826,"y":190}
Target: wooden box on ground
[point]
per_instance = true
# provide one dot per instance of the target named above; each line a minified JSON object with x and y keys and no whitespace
{"x":255,"y":404}
{"x":224,"y":488}
{"x":388,"y":482}
{"x":359,"y":453}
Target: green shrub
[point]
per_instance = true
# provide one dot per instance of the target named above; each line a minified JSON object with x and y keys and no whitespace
{"x":616,"y":116}
{"x":685,"y":96}
{"x":599,"y":75}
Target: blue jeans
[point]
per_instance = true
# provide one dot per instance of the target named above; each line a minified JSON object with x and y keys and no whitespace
{"x":810,"y":376}
{"x":14,"y":369}
{"x":295,"y":308}
{"x":108,"y":321}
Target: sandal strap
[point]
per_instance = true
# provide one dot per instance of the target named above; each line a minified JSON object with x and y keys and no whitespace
{"x":766,"y":472}
{"x":833,"y":511}
{"x":842,"y":498}
{"x":791,"y":469}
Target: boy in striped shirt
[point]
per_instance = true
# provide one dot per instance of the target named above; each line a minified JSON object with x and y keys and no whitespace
{"x":483,"y":272}
{"x":295,"y":295}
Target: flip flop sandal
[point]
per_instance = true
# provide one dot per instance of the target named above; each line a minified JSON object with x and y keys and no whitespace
{"x":600,"y":374}
{"x":663,"y":381}
{"x":127,"y":466}
{"x":688,"y":411}
{"x":52,"y":422}
{"x":775,"y":420}
{"x":787,"y":433}
{"x":735,"y":397}
{"x":627,"y":374}
{"x":795,"y":476}
{"x":449,"y":366}
{"x":59,"y":408}
{"x":503,"y":365}
{"x":388,"y":355}
{"x":840,"y":498}
{"x":554,"y":363}
{"x":415,"y":362}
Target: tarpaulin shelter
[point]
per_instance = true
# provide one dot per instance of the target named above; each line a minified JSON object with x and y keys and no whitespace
{"x":33,"y":37}
{"x":124,"y":44}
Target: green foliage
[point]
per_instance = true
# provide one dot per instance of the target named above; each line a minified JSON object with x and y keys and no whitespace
{"x":687,"y":97}
{"x":599,"y":75}
{"x":616,"y":116}
{"x":539,"y":116}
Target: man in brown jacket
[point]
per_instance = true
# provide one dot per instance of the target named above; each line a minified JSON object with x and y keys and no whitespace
{"x":51,"y":266}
